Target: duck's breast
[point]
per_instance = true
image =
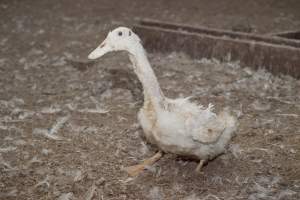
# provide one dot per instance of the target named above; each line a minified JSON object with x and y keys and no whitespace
{"x":147,"y":119}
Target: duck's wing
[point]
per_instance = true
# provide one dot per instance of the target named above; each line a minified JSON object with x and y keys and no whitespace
{"x":210,"y":127}
{"x":209,"y":132}
{"x":205,"y":126}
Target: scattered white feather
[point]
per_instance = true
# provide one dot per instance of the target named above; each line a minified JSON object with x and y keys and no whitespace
{"x":259,"y":106}
{"x":90,"y":193}
{"x":46,"y":152}
{"x":241,"y":181}
{"x":66,"y":196}
{"x":211,"y":196}
{"x":155,"y":193}
{"x":71,"y":106}
{"x":285,"y":194}
{"x":59,"y":61}
{"x":266,"y":188}
{"x":45,"y":132}
{"x":26,"y":114}
{"x":7,"y":149}
{"x":44,"y":182}
{"x":7,"y":165}
{"x":260,"y":192}
{"x":12,"y":193}
{"x":96,"y":110}
{"x":127,"y":180}
{"x":217,"y":180}
{"x":83,"y":129}
{"x":78,"y":176}
{"x":236,"y":150}
{"x":51,"y":110}
{"x":192,"y":197}
{"x":3,"y":127}
{"x":282,"y":100}
{"x":13,"y":103}
{"x":288,"y":115}
{"x":33,"y":160}
{"x":94,"y":100}
{"x":268,"y":151}
{"x":144,"y":148}
{"x":58,"y":125}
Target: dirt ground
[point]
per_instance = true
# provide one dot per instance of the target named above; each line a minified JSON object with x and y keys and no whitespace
{"x":67,"y":128}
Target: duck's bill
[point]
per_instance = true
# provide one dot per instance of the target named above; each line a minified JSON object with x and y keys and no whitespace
{"x":102,"y":49}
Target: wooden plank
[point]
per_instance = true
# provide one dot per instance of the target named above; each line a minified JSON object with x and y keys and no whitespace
{"x":223,"y":33}
{"x":295,"y":35}
{"x":275,"y":57}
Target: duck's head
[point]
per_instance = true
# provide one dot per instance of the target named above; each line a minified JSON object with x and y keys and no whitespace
{"x":120,"y":39}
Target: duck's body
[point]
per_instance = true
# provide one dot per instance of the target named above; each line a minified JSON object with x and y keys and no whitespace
{"x":174,"y":125}
{"x":185,"y":129}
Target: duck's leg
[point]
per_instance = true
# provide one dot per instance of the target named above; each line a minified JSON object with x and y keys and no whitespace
{"x":199,"y":166}
{"x":137,"y":169}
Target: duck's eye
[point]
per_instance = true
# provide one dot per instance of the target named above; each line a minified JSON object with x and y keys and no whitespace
{"x":120,"y":33}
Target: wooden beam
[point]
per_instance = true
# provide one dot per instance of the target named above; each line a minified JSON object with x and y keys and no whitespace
{"x":278,"y":55}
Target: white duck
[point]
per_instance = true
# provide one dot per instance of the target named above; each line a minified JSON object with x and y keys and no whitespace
{"x":175,"y":126}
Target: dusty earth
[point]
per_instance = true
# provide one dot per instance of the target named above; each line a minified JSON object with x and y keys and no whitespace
{"x":67,"y":128}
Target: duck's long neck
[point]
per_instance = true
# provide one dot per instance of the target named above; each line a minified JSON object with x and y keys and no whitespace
{"x":145,"y":73}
